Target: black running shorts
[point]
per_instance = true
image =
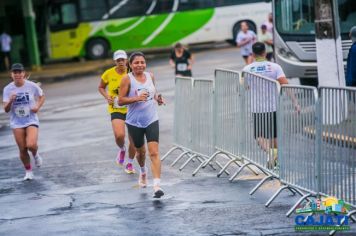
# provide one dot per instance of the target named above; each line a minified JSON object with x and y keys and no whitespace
{"x":118,"y":115}
{"x":265,"y":125}
{"x":137,"y":134}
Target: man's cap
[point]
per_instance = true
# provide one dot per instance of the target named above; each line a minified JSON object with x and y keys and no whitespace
{"x":17,"y":66}
{"x":263,"y":26}
{"x":353,"y":34}
{"x":120,"y":54}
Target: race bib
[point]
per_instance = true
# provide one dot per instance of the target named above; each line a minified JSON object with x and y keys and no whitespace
{"x":22,"y":111}
{"x":141,"y":90}
{"x":182,"y":67}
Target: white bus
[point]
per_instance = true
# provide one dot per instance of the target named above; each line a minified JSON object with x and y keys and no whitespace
{"x":89,"y":28}
{"x":294,"y":36}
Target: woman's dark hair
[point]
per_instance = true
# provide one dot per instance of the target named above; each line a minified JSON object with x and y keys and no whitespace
{"x":178,"y":46}
{"x":136,"y":54}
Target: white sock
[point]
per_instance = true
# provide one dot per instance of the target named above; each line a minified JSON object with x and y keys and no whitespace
{"x":142,"y":169}
{"x":156,"y":182}
{"x":130,"y":161}
{"x":122,"y":148}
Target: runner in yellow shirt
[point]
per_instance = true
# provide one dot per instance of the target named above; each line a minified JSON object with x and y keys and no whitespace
{"x":109,"y":87}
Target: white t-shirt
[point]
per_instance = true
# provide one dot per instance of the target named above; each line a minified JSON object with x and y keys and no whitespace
{"x":265,"y":37}
{"x":5,"y":40}
{"x":246,"y":50}
{"x":263,"y":95}
{"x":20,"y":114}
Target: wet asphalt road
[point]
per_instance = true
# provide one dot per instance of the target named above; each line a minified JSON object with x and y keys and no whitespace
{"x":80,"y":191}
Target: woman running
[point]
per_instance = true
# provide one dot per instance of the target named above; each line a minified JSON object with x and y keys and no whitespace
{"x":182,"y":60}
{"x":23,"y":99}
{"x":111,"y":80}
{"x":138,"y":91}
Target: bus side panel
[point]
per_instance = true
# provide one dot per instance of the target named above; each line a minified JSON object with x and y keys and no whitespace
{"x":143,"y":32}
{"x":182,"y":25}
{"x":228,"y":16}
{"x":68,"y":43}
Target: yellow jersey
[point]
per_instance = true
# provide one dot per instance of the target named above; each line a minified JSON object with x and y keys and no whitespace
{"x":113,"y":81}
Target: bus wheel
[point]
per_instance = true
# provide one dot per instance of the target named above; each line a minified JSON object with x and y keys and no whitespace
{"x":309,"y":81}
{"x":236,"y":28}
{"x":97,"y":49}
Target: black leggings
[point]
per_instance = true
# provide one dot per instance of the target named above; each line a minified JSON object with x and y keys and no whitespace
{"x":137,"y":134}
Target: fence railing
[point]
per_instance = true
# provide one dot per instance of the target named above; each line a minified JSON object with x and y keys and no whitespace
{"x":247,"y":118}
{"x":193,"y":121}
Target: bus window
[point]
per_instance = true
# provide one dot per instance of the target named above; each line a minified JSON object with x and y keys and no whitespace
{"x":347,"y":13}
{"x":298,"y":17}
{"x":63,"y":16}
{"x":92,"y":10}
{"x":124,"y":8}
{"x":222,"y":3}
{"x":189,"y":5}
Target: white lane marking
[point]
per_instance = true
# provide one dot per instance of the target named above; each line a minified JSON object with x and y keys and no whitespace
{"x":163,"y":25}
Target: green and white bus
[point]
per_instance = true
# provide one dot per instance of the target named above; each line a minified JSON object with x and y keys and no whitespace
{"x":294,"y":36}
{"x":89,"y":28}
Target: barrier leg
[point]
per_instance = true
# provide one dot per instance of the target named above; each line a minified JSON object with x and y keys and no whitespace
{"x":227,"y":165}
{"x":211,"y":158}
{"x":276,"y":195}
{"x":350,"y":216}
{"x":252,"y":170}
{"x":218,"y":163}
{"x":198,"y":168}
{"x":186,"y":163}
{"x":205,"y":163}
{"x":268,"y":177}
{"x":179,"y":157}
{"x":238,"y":171}
{"x":169,"y":152}
{"x":297,"y":203}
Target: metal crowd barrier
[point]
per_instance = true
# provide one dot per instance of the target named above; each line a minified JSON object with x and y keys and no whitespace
{"x":258,"y":124}
{"x":182,"y":122}
{"x":297,"y":142}
{"x":337,"y":144}
{"x":227,"y":113}
{"x":317,"y":143}
{"x":236,"y":117}
{"x":193,"y":124}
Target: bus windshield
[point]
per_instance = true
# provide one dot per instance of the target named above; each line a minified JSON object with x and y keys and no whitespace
{"x":297,"y":16}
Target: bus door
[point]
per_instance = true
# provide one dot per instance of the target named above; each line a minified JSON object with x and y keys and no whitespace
{"x":64,"y":34}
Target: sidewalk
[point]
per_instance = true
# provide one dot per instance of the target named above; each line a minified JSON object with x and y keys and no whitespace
{"x":61,"y":71}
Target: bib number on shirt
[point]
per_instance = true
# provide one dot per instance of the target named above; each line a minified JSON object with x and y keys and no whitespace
{"x":182,"y":67}
{"x":141,"y":90}
{"x":22,"y":111}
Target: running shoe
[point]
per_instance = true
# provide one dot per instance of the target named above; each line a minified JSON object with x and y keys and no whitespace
{"x":38,"y":160}
{"x":158,"y":193}
{"x":142,"y":180}
{"x":120,"y":158}
{"x":129,"y":169}
{"x":28,"y":175}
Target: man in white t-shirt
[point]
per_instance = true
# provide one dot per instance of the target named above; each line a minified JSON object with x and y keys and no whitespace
{"x":244,"y":40}
{"x":5,"y":43}
{"x":263,"y":98}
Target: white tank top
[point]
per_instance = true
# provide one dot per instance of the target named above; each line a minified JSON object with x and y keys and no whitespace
{"x":142,"y":114}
